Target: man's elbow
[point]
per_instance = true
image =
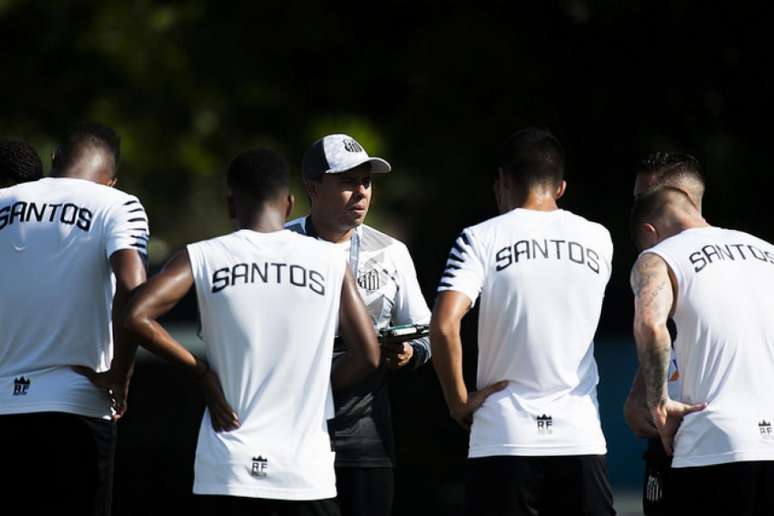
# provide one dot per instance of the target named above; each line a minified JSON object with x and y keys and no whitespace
{"x":648,"y":333}
{"x":442,"y":329}
{"x":135,"y":321}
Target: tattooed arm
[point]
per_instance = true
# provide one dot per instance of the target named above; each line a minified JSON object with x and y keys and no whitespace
{"x":652,"y":303}
{"x":653,"y":300}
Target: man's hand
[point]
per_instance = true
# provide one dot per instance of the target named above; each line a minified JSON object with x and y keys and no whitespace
{"x":117,"y":389}
{"x":636,"y":412}
{"x":462,"y":413}
{"x":667,"y":417}
{"x":637,"y":417}
{"x":397,"y":354}
{"x":222,"y":416}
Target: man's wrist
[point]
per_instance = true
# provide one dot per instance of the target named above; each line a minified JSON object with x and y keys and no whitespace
{"x":201,"y":368}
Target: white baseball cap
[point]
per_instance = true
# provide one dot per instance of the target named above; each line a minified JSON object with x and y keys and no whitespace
{"x":338,"y":153}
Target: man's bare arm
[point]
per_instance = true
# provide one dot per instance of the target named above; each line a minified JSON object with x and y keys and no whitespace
{"x":159,"y":295}
{"x":450,"y":307}
{"x":653,"y":300}
{"x":636,"y":412}
{"x":129,"y":270}
{"x":652,"y":303}
{"x":357,"y":331}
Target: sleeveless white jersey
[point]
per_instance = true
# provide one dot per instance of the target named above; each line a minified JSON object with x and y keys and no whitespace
{"x":724,"y":312}
{"x":541,"y":277}
{"x":269,"y":305}
{"x":56,"y":239}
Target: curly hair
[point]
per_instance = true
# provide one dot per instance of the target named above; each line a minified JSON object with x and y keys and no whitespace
{"x":19,"y":162}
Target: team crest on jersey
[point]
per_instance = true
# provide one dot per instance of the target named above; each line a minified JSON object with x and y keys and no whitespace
{"x":369,"y":281}
{"x":20,"y":386}
{"x":545,"y":424}
{"x":766,"y":431}
{"x":260,"y":468}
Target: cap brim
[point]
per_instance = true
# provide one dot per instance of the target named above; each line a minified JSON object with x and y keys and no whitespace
{"x":378,"y":166}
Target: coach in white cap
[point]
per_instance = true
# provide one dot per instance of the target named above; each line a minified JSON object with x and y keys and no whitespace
{"x":536,"y":445}
{"x":337,"y":174}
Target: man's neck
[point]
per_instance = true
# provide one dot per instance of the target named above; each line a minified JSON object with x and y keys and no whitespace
{"x":330,"y":233}
{"x":536,"y":200}
{"x":261,"y":222}
{"x":689,"y":223}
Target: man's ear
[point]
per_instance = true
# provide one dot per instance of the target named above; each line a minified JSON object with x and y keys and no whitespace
{"x":113,"y":182}
{"x":289,"y":208}
{"x":649,"y":235}
{"x":560,"y":190}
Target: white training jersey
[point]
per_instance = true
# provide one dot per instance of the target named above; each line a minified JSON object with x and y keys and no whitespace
{"x":725,"y":346}
{"x":541,"y":276}
{"x":386,"y":277}
{"x":56,"y":239}
{"x":269,"y":306}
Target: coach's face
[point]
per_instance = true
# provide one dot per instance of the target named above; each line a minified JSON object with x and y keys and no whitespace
{"x":344,"y":198}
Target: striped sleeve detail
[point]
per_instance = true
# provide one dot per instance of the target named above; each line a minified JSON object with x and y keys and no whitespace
{"x":128,"y":228}
{"x":464,"y":270}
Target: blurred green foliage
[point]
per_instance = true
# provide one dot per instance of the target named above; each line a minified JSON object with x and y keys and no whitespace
{"x":430,"y":86}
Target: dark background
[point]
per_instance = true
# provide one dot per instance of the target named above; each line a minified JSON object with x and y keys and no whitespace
{"x":430,"y":86}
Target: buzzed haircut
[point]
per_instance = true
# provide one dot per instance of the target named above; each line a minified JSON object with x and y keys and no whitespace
{"x":19,"y":162}
{"x":260,"y":173}
{"x":670,"y":167}
{"x":83,"y":137}
{"x":532,"y":157}
{"x":650,"y":206}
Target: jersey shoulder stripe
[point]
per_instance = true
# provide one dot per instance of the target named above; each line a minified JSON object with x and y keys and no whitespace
{"x":374,"y":240}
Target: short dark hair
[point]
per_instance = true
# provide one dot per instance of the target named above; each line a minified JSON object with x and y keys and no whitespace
{"x":89,"y":134}
{"x":19,"y":162}
{"x":666,"y":166}
{"x":261,"y":173}
{"x":650,"y":205}
{"x":533,"y":156}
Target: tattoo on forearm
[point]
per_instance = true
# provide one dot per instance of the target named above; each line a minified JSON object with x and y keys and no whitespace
{"x":654,"y":363}
{"x":653,"y":302}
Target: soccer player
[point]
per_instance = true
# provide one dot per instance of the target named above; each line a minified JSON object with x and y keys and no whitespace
{"x":337,"y":174}
{"x":683,"y":172}
{"x":716,"y":285}
{"x":19,"y":163}
{"x":72,"y":250}
{"x":269,"y":302}
{"x":536,"y":444}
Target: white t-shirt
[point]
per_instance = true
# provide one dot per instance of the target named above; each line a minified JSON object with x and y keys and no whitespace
{"x":56,"y":239}
{"x":269,"y":305}
{"x":724,"y":314}
{"x":541,"y":277}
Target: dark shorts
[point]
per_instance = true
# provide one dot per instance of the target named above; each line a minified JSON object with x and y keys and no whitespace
{"x":57,"y":461}
{"x":365,"y":491}
{"x":657,"y":479}
{"x":738,"y":489}
{"x":216,"y":505}
{"x":514,"y":486}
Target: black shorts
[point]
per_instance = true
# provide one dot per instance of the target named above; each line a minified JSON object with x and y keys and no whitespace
{"x":514,"y":486}
{"x":220,"y":505}
{"x":657,"y":479}
{"x":365,"y":491}
{"x":737,"y":488}
{"x":57,"y":462}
